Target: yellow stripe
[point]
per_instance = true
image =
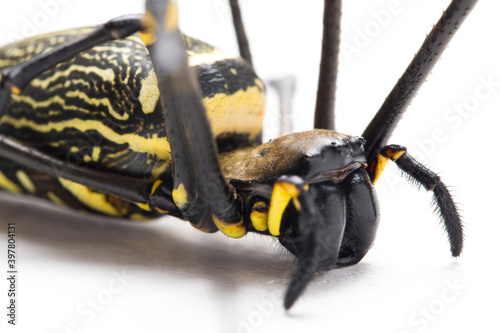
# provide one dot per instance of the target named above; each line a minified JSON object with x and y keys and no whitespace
{"x":143,"y":206}
{"x":207,"y":58}
{"x":241,"y":112}
{"x":46,"y":103}
{"x":155,"y":186}
{"x":105,"y":74}
{"x":153,"y":145}
{"x":397,"y":155}
{"x":113,"y":49}
{"x":8,"y":185}
{"x":55,"y":199}
{"x":97,"y":102}
{"x":381,"y":163}
{"x":159,"y":170}
{"x":8,"y":62}
{"x":94,"y":200}
{"x":25,"y":181}
{"x":67,"y":84}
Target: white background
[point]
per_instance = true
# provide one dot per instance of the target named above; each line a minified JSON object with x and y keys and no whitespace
{"x":174,"y":278}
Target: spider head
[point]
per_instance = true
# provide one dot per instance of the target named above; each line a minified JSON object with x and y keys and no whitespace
{"x":300,"y":182}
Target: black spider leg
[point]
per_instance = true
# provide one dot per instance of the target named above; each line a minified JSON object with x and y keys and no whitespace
{"x":198,"y":179}
{"x":419,"y":174}
{"x":14,"y":79}
{"x":387,"y":118}
{"x":130,"y":189}
{"x":324,"y":116}
{"x":240,"y":31}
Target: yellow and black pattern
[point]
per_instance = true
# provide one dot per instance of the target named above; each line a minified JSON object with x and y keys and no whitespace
{"x":101,"y":110}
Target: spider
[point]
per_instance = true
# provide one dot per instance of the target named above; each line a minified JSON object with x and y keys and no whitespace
{"x":312,"y":190}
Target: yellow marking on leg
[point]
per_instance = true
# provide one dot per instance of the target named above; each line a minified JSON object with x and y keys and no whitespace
{"x":149,"y":23}
{"x":146,"y":206}
{"x":379,"y":164}
{"x":15,"y":90}
{"x":153,"y":145}
{"x":139,"y":217}
{"x":148,"y":36}
{"x":96,"y":201}
{"x":143,"y":206}
{"x":149,"y":94}
{"x":395,"y":155}
{"x":179,"y":195}
{"x":96,"y":152}
{"x":163,"y":211}
{"x":259,"y":218}
{"x":8,"y":185}
{"x":232,"y":230}
{"x":283,"y":192}
{"x":25,"y":181}
{"x":234,"y":71}
{"x":155,"y":186}
{"x":296,"y":203}
{"x":171,"y":17}
{"x":55,"y":199}
{"x":159,"y":170}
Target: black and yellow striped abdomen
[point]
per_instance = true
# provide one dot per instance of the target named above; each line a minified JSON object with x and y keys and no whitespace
{"x":101,"y":110}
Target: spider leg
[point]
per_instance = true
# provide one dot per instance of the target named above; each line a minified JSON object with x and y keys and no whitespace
{"x":240,"y":31}
{"x":387,"y":118}
{"x":198,"y":180}
{"x":325,"y":99}
{"x":421,"y":175}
